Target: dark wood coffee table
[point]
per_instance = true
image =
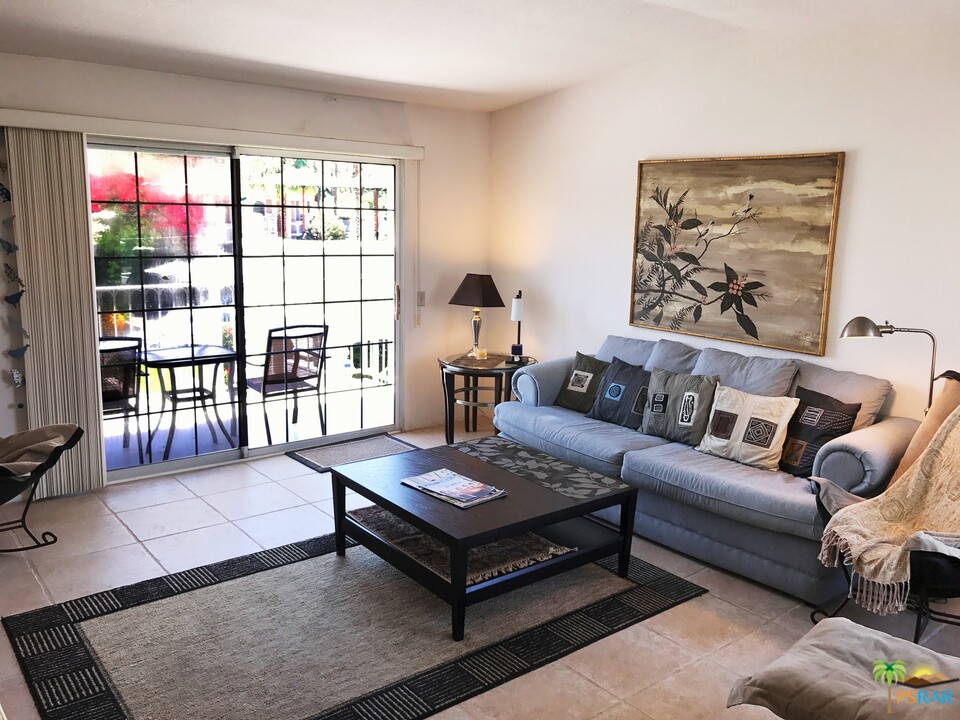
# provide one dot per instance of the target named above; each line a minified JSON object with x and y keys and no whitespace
{"x":526,"y":507}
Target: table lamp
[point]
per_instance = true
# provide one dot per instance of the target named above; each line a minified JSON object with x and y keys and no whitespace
{"x":477,"y":291}
{"x":863,"y":327}
{"x":516,"y":315}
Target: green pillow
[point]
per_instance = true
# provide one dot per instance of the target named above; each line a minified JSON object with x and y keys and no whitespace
{"x":581,"y":389}
{"x":678,"y":406}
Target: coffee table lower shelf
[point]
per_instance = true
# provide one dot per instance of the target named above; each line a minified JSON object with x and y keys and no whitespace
{"x":592,"y":540}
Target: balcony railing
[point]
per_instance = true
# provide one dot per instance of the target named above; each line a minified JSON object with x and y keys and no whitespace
{"x":159,"y":298}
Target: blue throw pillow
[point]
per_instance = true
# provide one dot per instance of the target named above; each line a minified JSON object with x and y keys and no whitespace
{"x":621,"y":395}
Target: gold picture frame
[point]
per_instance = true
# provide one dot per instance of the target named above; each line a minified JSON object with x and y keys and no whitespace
{"x":737,"y":248}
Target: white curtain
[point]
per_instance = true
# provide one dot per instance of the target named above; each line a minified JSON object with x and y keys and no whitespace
{"x":48,"y":180}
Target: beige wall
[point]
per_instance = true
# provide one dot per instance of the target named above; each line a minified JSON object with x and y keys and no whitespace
{"x":453,"y":200}
{"x":563,"y":181}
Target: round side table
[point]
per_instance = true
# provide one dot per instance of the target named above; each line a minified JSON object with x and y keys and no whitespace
{"x":498,"y":366}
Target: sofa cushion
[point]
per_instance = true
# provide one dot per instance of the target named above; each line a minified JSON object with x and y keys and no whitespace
{"x":817,"y":420}
{"x":774,"y":500}
{"x":754,"y":375}
{"x":678,"y":406}
{"x":848,"y":387}
{"x":748,"y":428}
{"x":568,"y":435}
{"x":672,"y":356}
{"x":580,"y":389}
{"x":622,"y":394}
{"x":631,"y":350}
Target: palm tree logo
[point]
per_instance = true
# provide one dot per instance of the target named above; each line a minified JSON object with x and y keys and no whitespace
{"x":889,"y":672}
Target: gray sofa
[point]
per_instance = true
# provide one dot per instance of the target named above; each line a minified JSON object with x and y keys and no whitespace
{"x":758,"y":523}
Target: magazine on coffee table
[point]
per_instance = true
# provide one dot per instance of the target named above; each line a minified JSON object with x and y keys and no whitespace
{"x":454,"y":488}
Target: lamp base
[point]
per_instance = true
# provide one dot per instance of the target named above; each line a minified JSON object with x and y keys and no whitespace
{"x":475,"y":324}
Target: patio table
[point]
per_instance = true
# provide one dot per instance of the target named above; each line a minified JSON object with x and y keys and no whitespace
{"x":167,"y":361}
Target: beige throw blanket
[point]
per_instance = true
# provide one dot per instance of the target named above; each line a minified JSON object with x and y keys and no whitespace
{"x":21,"y":453}
{"x":920,"y":512}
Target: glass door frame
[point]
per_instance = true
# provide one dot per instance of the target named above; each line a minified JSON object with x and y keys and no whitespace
{"x":399,"y":191}
{"x":243,"y":451}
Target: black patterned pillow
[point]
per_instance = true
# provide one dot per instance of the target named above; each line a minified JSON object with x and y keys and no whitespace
{"x":678,"y":405}
{"x":818,"y":419}
{"x":622,"y":394}
{"x":581,"y":389}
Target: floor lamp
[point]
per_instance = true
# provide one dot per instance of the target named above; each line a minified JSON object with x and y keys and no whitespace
{"x":865,"y":327}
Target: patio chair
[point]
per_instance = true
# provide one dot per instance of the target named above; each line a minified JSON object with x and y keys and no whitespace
{"x":24,"y":459}
{"x":292,"y":365}
{"x":120,"y":373}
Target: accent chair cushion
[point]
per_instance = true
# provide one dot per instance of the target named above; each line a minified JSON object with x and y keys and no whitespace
{"x":829,"y":674}
{"x":622,"y":395}
{"x":748,"y":428}
{"x":818,"y":419}
{"x":580,"y":389}
{"x":754,"y":375}
{"x":678,"y":406}
{"x":946,"y":401}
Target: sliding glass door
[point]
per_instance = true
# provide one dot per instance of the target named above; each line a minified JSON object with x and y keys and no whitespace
{"x":242,"y":302}
{"x":163,"y":242}
{"x":318,"y":245}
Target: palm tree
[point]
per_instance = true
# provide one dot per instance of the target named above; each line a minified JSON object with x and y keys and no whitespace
{"x":889,"y":673}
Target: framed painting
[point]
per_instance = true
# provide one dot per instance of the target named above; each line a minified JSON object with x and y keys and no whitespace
{"x":737,"y":248}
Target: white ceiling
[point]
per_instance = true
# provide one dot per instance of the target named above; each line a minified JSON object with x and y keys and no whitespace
{"x":471,"y":54}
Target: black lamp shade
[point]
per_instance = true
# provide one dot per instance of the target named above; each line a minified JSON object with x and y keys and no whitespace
{"x":477,"y":291}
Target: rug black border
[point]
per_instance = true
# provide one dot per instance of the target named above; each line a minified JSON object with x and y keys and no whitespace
{"x":319,"y":468}
{"x":67,"y":682}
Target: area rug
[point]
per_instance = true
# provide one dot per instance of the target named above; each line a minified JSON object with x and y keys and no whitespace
{"x":325,"y":457}
{"x":297,"y":633}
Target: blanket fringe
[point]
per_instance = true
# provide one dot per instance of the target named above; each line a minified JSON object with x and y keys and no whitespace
{"x":877,"y":597}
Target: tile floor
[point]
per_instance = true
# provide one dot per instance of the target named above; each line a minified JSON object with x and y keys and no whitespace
{"x":677,"y":665}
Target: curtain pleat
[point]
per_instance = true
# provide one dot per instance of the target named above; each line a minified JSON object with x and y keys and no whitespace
{"x":49,"y":187}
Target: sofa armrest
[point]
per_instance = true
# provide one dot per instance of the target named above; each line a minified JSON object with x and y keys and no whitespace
{"x":863,"y":461}
{"x":539,"y":384}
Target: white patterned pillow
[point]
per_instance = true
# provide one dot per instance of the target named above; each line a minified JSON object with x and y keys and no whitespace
{"x":750,"y":429}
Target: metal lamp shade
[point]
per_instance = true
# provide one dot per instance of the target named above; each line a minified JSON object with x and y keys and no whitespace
{"x":861,"y":327}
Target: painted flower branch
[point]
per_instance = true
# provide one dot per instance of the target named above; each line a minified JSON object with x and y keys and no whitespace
{"x":667,"y":266}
